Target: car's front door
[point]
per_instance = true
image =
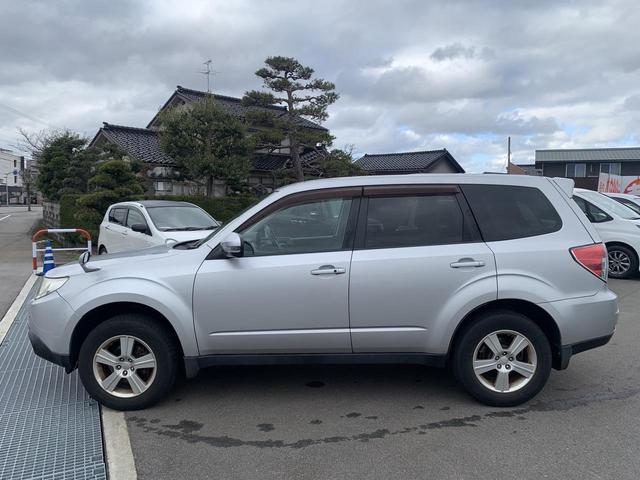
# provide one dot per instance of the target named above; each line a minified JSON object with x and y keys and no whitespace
{"x":416,"y":249}
{"x":137,"y":240}
{"x":289,"y":291}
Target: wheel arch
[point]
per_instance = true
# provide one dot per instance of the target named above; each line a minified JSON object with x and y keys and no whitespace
{"x":622,"y":244}
{"x":101,"y":313}
{"x":535,"y":313}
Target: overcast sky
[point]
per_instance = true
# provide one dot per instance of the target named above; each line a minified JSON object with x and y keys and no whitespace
{"x":412,"y":75}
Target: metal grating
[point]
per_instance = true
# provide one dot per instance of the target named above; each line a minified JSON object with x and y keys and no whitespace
{"x":49,"y":426}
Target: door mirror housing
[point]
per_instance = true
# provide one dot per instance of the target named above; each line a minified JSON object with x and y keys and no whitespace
{"x":232,"y":245}
{"x":140,"y":228}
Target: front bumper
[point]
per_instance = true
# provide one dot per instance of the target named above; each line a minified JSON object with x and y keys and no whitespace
{"x":41,"y":350}
{"x":49,"y":329}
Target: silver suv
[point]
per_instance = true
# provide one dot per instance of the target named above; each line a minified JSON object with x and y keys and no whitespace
{"x":500,"y":277}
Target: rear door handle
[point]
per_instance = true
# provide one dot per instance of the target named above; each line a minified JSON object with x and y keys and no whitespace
{"x":328,"y":270}
{"x":466,"y":263}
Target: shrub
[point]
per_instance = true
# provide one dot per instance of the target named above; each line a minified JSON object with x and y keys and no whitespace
{"x":222,"y":209}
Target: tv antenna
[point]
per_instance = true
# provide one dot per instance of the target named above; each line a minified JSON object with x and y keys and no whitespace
{"x":208,"y":72}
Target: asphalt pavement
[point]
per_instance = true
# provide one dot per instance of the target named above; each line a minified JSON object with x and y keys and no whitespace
{"x":16,"y":224}
{"x":404,"y":422}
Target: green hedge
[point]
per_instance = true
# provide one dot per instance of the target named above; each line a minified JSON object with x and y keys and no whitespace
{"x":222,"y":209}
{"x":68,"y":208}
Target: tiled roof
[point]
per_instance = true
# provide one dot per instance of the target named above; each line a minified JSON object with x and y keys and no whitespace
{"x":403,"y":162}
{"x":143,"y":144}
{"x":625,"y":154}
{"x":139,"y":143}
{"x":233,"y":105}
{"x":268,"y":162}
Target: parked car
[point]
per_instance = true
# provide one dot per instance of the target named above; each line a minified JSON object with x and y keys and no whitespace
{"x":501,"y":277}
{"x":145,"y":223}
{"x":630,"y":201}
{"x":619,"y":228}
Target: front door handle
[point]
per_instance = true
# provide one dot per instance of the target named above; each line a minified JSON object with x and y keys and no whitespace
{"x":328,"y":270}
{"x":466,"y":263}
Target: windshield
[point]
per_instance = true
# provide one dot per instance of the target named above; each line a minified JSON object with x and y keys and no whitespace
{"x":172,"y":219}
{"x":610,"y":205}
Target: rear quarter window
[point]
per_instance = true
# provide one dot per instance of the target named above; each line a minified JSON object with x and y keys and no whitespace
{"x":506,"y":212}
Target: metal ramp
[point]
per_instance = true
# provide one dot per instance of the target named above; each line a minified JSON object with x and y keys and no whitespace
{"x":49,"y":426}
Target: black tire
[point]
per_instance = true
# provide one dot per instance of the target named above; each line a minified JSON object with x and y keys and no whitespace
{"x":102,"y":250}
{"x":629,"y":253}
{"x":159,"y":342}
{"x":473,"y":335}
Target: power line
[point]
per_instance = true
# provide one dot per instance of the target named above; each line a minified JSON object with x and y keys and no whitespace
{"x":26,"y":115}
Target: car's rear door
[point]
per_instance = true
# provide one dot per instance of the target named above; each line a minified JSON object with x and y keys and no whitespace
{"x":289,"y":292}
{"x":418,"y":258}
{"x":114,"y":230}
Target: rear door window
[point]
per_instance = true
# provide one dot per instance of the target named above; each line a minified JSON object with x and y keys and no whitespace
{"x":505,"y":212}
{"x":118,"y":216}
{"x":413,"y":221}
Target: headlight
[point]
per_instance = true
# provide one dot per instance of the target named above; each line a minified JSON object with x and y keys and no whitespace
{"x":50,"y":285}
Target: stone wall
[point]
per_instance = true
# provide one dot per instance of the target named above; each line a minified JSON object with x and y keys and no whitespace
{"x":51,"y":214}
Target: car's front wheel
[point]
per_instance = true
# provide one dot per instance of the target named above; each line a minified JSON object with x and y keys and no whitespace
{"x":503,"y":359}
{"x":128,"y":362}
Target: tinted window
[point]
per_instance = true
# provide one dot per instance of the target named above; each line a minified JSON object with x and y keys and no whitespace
{"x":118,"y":215}
{"x":317,"y":226}
{"x":135,"y":217}
{"x":504,"y":212}
{"x":409,"y":221}
{"x":593,"y":213}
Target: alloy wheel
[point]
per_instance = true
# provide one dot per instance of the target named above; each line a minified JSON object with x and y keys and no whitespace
{"x":124,"y":366}
{"x":619,"y":262}
{"x":504,"y":361}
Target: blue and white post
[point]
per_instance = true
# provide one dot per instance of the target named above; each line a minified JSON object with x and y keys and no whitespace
{"x":49,"y":263}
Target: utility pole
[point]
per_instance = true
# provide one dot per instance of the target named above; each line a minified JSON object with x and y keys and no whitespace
{"x":508,"y":153}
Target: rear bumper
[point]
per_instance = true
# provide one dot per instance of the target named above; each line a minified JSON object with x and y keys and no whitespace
{"x":41,"y":350}
{"x":567,"y":351}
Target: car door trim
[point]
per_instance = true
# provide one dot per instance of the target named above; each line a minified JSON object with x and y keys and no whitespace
{"x":299,"y":331}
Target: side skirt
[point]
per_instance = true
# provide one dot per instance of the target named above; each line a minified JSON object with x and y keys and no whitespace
{"x":193,"y":364}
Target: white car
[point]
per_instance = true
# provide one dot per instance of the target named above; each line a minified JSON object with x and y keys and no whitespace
{"x":631,"y":201}
{"x":619,"y":227}
{"x":145,"y":223}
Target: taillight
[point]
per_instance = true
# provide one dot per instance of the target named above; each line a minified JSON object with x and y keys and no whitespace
{"x":593,"y":258}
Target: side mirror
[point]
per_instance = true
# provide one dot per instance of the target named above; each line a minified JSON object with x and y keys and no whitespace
{"x":83,"y":259}
{"x":140,"y":228}
{"x":232,"y":245}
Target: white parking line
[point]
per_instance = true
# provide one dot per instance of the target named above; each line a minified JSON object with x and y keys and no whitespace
{"x":4,"y":218}
{"x":10,"y":316}
{"x":120,"y":463}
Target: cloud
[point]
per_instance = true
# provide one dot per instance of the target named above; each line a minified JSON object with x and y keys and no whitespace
{"x":412,"y":74}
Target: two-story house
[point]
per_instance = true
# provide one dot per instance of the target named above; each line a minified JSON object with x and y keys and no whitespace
{"x":143,"y":144}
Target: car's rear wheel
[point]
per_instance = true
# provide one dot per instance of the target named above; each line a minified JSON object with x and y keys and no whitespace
{"x":502,"y":359}
{"x":102,"y":250}
{"x":623,"y":262}
{"x":128,"y":362}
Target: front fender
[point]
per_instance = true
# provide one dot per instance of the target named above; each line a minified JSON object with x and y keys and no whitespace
{"x":173,"y":302}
